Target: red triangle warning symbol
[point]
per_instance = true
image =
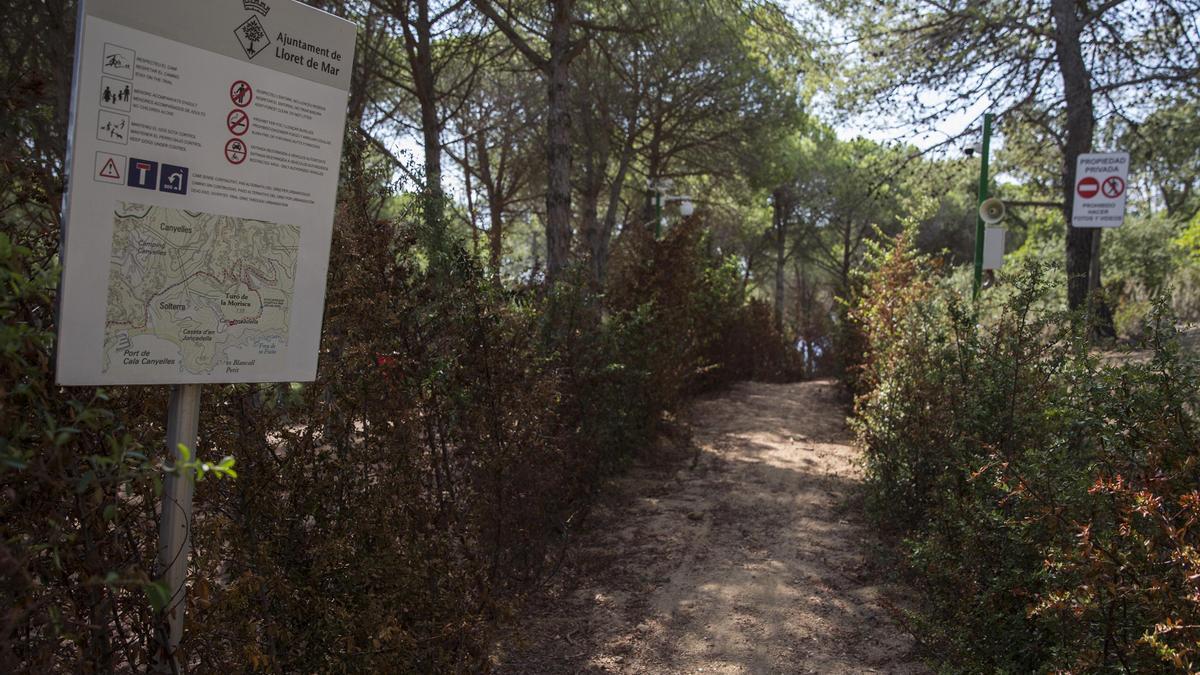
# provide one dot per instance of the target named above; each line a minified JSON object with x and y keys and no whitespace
{"x":109,"y":170}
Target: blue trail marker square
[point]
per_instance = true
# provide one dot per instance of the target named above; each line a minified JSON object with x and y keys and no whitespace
{"x":173,"y":179}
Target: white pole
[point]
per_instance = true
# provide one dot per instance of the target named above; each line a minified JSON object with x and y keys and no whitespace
{"x":175,"y":524}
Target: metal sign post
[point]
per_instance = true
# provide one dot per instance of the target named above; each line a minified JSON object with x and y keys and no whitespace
{"x":983,"y":195}
{"x":175,"y":525}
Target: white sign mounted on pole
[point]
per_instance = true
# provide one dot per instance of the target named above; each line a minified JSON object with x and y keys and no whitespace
{"x":203,"y":160}
{"x":993,"y":248}
{"x":1101,"y":181}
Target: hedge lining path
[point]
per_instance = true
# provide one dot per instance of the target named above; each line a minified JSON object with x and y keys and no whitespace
{"x":742,"y":551}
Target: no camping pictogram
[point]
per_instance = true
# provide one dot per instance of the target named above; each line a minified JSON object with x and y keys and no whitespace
{"x":238,"y":122}
{"x":235,"y":151}
{"x":1113,"y":187}
{"x":240,"y":93}
{"x":1088,"y":187}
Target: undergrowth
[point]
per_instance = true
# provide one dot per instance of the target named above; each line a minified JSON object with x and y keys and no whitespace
{"x":1048,"y":495}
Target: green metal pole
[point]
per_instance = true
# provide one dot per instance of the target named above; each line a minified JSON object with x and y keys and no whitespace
{"x":657,"y":213}
{"x":983,"y":195}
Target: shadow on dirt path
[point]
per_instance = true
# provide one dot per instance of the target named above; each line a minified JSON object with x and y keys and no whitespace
{"x":750,"y":559}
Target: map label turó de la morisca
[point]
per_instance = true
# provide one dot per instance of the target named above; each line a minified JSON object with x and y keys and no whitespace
{"x":203,"y":166}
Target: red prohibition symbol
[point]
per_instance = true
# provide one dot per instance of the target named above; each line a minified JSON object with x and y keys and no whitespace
{"x":1113,"y":187}
{"x":238,"y":122}
{"x":235,"y":151}
{"x":240,"y":93}
{"x":1088,"y":187}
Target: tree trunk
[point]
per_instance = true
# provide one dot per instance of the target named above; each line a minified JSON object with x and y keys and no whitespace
{"x":495,"y":240}
{"x":418,"y":37}
{"x":366,"y":66}
{"x":600,"y":252}
{"x":558,"y":141}
{"x":780,"y":218}
{"x":431,"y":132}
{"x":847,"y":254}
{"x":592,"y":184}
{"x":1081,"y":123}
{"x":495,"y":201}
{"x":471,"y":220}
{"x":654,"y":171}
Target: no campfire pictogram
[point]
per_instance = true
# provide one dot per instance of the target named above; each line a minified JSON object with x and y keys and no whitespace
{"x":1113,"y":187}
{"x":238,"y":122}
{"x":235,"y":151}
{"x":1088,"y":187}
{"x":240,"y":93}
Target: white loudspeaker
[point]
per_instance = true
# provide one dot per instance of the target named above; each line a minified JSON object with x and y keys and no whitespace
{"x":991,"y":211}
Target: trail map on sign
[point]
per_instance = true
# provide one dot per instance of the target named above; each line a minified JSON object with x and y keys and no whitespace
{"x":196,"y":292}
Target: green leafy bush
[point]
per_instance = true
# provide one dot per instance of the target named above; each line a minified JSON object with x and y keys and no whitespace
{"x":77,"y":498}
{"x":1047,"y":496}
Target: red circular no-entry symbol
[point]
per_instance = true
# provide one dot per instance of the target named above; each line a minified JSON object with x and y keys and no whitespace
{"x":240,"y":93}
{"x":1088,"y":187}
{"x":235,"y":151}
{"x":238,"y":122}
{"x":1113,"y":187}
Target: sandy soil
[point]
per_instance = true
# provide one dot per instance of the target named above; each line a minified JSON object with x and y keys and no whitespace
{"x":741,"y":551}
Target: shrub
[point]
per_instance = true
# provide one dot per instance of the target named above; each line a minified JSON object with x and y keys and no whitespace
{"x":1047,"y":497}
{"x":77,"y":498}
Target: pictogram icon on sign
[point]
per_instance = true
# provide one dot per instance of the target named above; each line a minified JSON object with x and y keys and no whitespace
{"x":1113,"y":187}
{"x":112,"y":127}
{"x":235,"y":151}
{"x":118,"y":61}
{"x":238,"y":122}
{"x":1088,"y":187}
{"x":115,"y":94}
{"x":142,"y":173}
{"x":110,"y":168}
{"x":240,"y":93}
{"x":173,"y":179}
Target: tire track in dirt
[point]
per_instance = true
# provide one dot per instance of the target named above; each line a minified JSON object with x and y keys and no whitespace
{"x":746,"y":555}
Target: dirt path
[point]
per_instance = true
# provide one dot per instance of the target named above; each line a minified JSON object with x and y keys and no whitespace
{"x":749,"y":559}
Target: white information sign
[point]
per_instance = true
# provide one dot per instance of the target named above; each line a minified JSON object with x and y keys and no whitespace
{"x":204,"y":150}
{"x":1101,"y":180}
{"x":993,"y":248}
